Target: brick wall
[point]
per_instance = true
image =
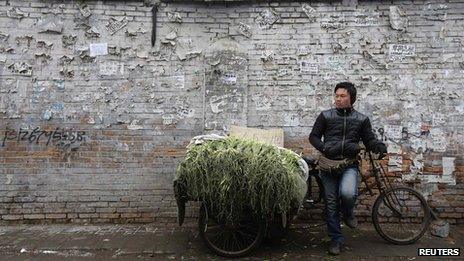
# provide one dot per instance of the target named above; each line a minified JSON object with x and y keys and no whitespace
{"x":94,"y":119}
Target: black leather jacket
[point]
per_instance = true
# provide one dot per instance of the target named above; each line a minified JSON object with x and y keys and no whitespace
{"x":342,"y":130}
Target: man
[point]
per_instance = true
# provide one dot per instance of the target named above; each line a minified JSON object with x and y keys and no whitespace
{"x":336,"y":134}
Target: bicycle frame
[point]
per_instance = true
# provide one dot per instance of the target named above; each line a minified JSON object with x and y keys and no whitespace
{"x":383,"y":184}
{"x":380,"y":176}
{"x":377,"y":171}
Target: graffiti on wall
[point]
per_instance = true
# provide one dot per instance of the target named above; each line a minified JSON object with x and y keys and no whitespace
{"x":60,"y":137}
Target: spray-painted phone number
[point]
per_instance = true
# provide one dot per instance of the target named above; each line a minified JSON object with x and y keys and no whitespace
{"x":60,"y":137}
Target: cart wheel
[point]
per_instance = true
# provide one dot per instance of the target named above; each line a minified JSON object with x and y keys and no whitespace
{"x":230,"y":240}
{"x":276,"y":231}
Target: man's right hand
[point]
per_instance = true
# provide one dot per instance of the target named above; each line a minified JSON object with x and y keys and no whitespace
{"x":382,"y":155}
{"x":381,"y":149}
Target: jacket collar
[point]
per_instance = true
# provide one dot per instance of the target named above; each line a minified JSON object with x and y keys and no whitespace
{"x":344,"y":110}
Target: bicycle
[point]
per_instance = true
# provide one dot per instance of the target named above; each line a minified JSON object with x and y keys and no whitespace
{"x":400,"y":213}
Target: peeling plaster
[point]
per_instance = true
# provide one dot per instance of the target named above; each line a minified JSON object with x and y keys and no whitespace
{"x":24,"y":40}
{"x":92,"y":32}
{"x":21,"y":68}
{"x":174,"y":17}
{"x":65,"y":60}
{"x":262,"y":102}
{"x":268,"y":56}
{"x":15,"y":13}
{"x":69,"y":40}
{"x":84,"y":10}
{"x":132,"y":32}
{"x":170,"y":38}
{"x":184,"y":55}
{"x":291,"y":120}
{"x":134,"y":125}
{"x":216,"y":103}
{"x":398,"y":21}
{"x":51,"y":24}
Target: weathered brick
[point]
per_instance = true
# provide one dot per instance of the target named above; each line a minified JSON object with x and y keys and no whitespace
{"x":139,"y":105}
{"x":130,"y":215}
{"x":97,"y":204}
{"x":19,"y":211}
{"x":109,"y":215}
{"x":105,"y":210}
{"x":34,"y":216}
{"x":132,"y":13}
{"x":6,"y":199}
{"x":72,"y":215}
{"x":450,"y":215}
{"x":114,"y":12}
{"x":55,"y":216}
{"x":12,"y":217}
{"x":88,"y":215}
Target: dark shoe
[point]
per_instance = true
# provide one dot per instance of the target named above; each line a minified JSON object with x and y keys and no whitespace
{"x":334,"y":248}
{"x":352,"y":222}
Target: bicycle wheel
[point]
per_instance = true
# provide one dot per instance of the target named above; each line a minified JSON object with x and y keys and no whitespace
{"x":230,"y":240}
{"x":315,"y":194}
{"x":401,"y":215}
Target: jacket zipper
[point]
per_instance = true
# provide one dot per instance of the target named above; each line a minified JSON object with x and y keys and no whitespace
{"x":344,"y":130}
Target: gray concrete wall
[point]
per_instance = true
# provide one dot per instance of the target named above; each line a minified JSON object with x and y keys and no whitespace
{"x":94,"y":119}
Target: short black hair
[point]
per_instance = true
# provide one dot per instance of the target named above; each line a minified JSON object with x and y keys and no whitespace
{"x":349,"y":87}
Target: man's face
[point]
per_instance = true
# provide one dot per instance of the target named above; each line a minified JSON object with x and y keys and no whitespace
{"x":342,"y":98}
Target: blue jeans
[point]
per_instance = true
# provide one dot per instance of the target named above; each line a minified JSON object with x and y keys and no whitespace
{"x":341,"y":191}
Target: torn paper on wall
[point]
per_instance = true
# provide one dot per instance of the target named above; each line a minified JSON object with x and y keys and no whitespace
{"x":244,"y":29}
{"x":267,"y":18}
{"x":98,"y":49}
{"x":395,"y":163}
{"x":116,"y":24}
{"x":309,"y":12}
